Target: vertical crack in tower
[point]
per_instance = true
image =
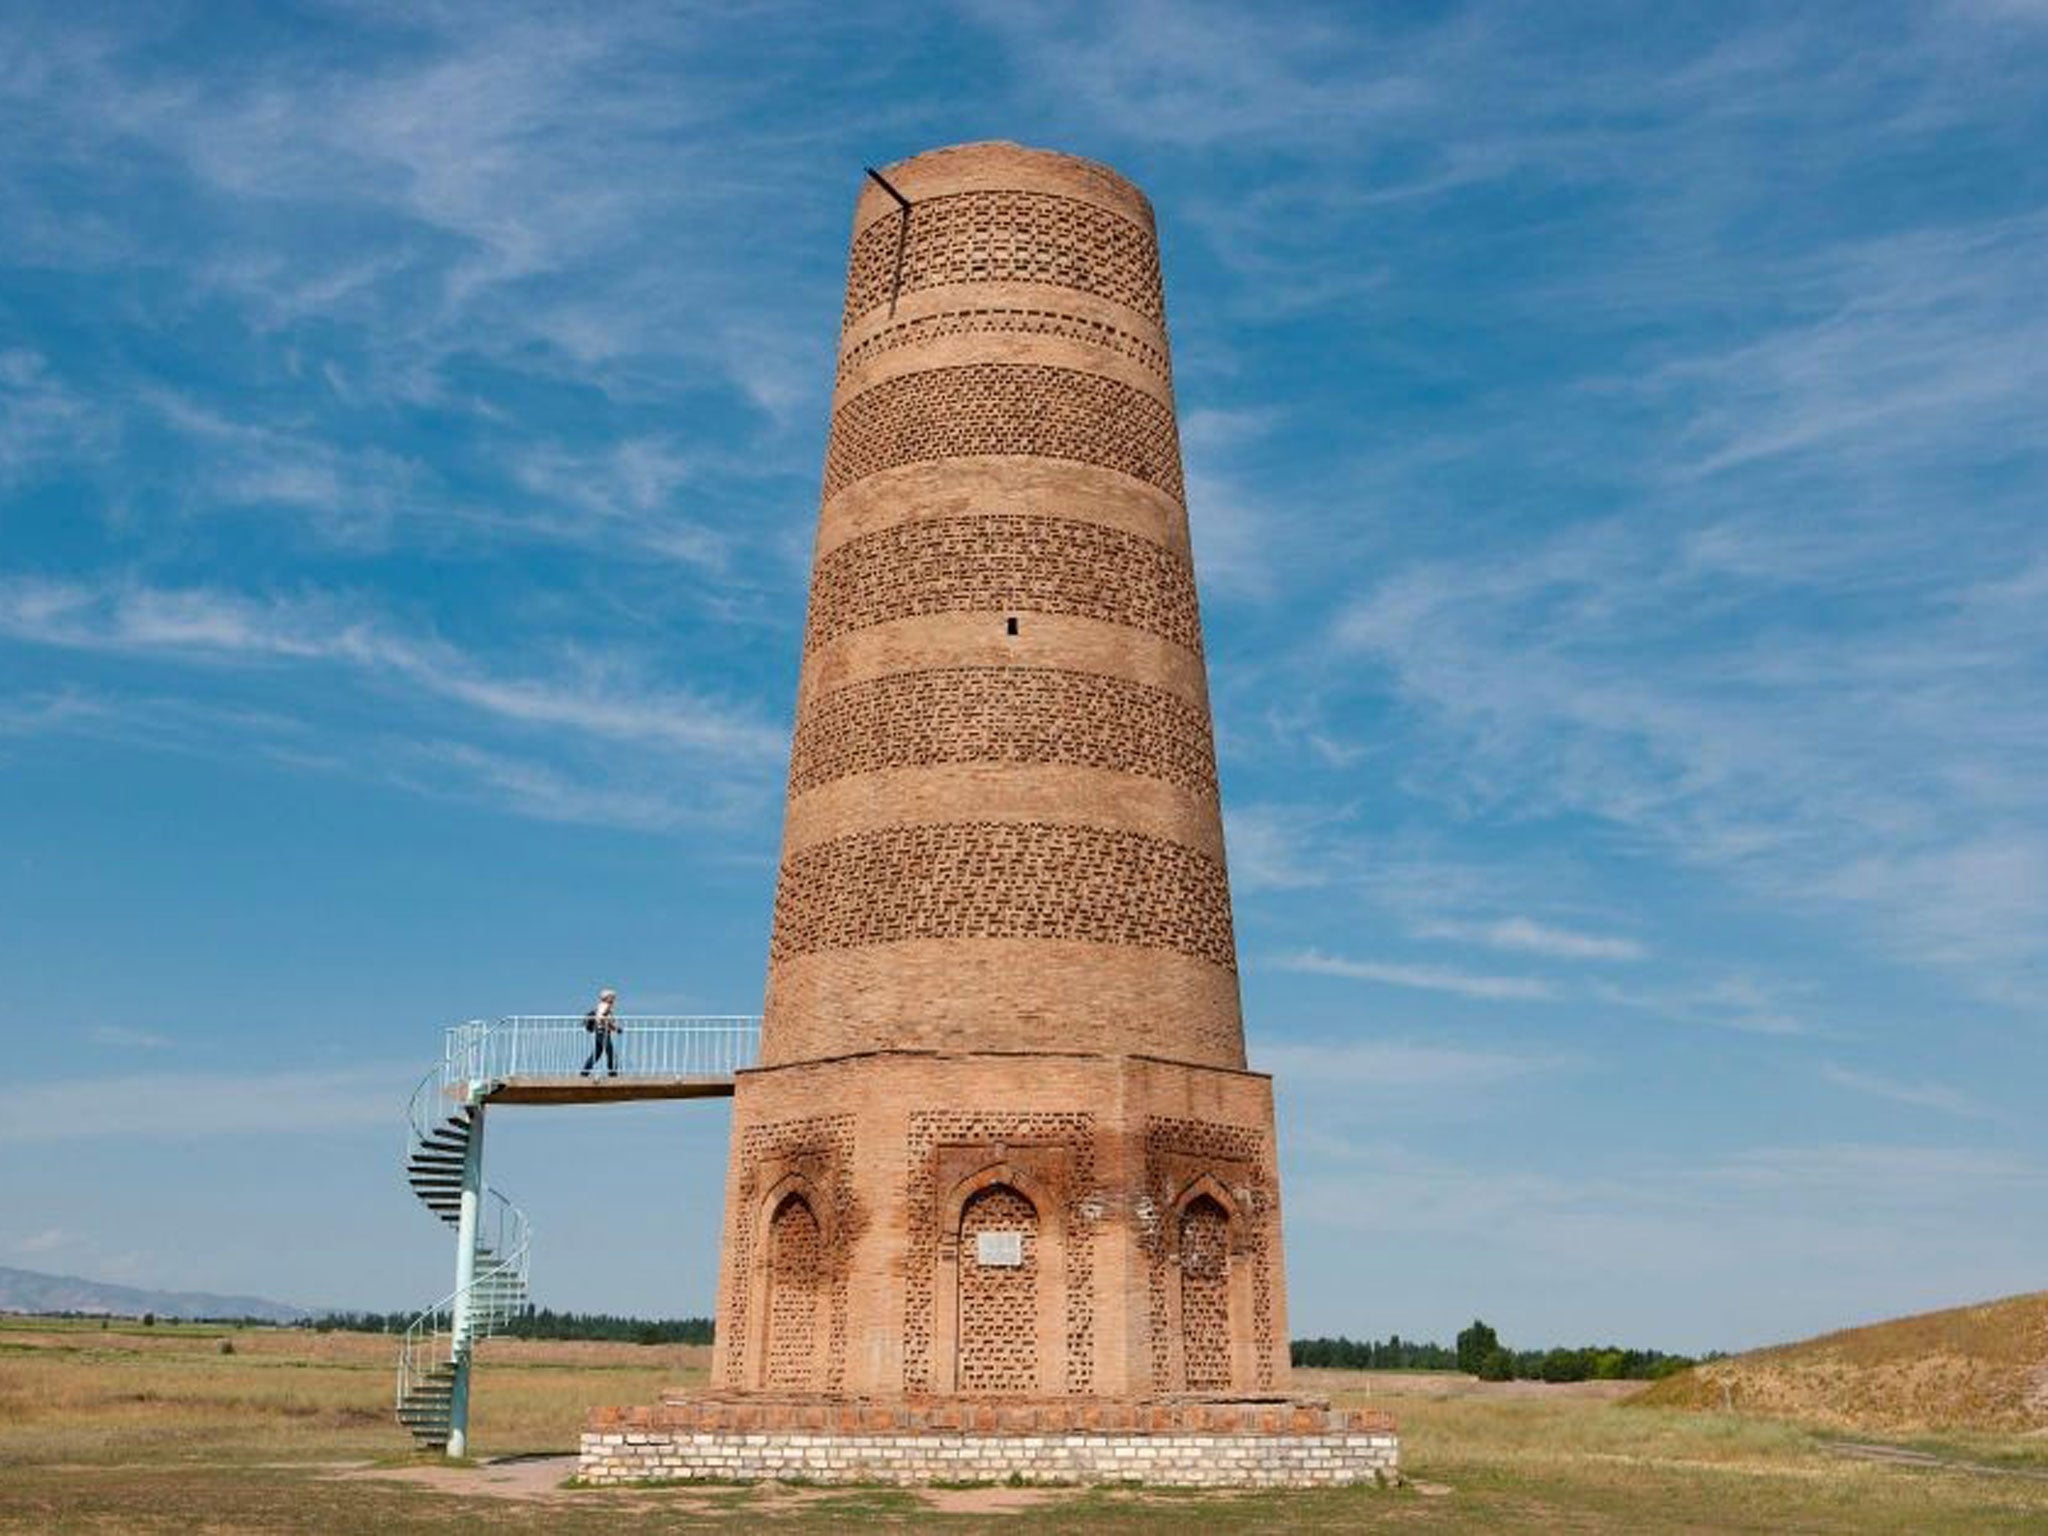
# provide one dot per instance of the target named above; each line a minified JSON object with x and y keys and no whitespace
{"x":1002,"y":1142}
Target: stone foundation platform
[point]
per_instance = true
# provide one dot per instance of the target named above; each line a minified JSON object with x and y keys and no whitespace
{"x":1195,"y":1443}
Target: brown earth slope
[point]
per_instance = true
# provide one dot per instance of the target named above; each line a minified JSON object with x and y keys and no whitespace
{"x":1968,"y":1368}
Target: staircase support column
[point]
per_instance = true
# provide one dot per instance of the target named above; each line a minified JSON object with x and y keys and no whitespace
{"x":468,"y":1223}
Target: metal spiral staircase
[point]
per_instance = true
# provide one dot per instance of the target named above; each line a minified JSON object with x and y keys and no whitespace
{"x":523,"y":1060}
{"x":443,"y":1158}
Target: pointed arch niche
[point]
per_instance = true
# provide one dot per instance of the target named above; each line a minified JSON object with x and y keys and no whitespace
{"x":792,"y":1288}
{"x":1209,"y":1299}
{"x":999,"y":1329}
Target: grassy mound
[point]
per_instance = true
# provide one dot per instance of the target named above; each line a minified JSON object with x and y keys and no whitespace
{"x":1968,"y":1368}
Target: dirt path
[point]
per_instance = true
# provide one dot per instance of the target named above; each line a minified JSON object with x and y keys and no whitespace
{"x":1902,"y":1456}
{"x":539,"y":1479}
{"x":512,"y":1477}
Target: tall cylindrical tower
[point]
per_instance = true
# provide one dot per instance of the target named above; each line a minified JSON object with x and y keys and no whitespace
{"x":1002,"y":1141}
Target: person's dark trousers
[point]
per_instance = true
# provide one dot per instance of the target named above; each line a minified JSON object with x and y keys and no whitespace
{"x":601,"y":1045}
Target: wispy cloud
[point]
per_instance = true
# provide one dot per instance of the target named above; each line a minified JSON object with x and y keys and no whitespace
{"x":1527,"y":936}
{"x":1920,"y":1095}
{"x":1272,"y":847}
{"x":1427,"y":978}
{"x":125,"y":1038}
{"x":1354,"y":1065}
{"x":625,"y":492}
{"x":1856,"y":762}
{"x":44,"y":423}
{"x":1882,"y":1173}
{"x":1741,"y":1003}
{"x":203,"y":624}
{"x":174,"y":1104}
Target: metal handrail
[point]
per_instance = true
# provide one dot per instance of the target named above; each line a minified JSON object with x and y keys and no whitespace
{"x":496,"y":1295}
{"x":484,"y":1051}
{"x":436,"y":1098}
{"x":477,"y":1058}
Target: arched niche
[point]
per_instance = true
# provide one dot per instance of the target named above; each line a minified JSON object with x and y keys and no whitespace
{"x":791,"y":1288}
{"x":1209,"y":1290}
{"x":1000,"y":1327}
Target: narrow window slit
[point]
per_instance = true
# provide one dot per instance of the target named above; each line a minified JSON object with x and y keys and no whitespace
{"x":1010,"y":625}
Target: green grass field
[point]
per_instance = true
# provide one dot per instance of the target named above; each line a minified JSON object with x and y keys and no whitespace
{"x":157,"y":1429}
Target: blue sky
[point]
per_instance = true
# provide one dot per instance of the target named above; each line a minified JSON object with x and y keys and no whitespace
{"x":1616,"y":448}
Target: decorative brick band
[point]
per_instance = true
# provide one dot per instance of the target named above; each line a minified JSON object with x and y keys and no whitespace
{"x":997,"y":320}
{"x":1026,"y":715}
{"x":1005,"y":237}
{"x":999,"y":563}
{"x":1004,"y":408}
{"x":1003,"y":880}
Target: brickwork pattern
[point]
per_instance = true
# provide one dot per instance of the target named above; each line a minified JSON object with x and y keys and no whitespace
{"x":826,"y":1143}
{"x":1205,"y":1295}
{"x":1331,"y":1460}
{"x":1005,"y":237}
{"x":1002,"y":320}
{"x":1021,"y":715}
{"x":797,"y":1274}
{"x":929,"y":1129}
{"x":1004,"y":563}
{"x":1006,"y":408}
{"x":998,"y":1305}
{"x":1236,"y":1157}
{"x":1003,"y":880}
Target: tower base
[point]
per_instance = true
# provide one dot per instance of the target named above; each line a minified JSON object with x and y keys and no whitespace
{"x":1214,"y":1443}
{"x":997,"y":1226}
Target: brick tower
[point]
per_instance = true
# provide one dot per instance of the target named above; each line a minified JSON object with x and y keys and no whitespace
{"x":1002,"y":1142}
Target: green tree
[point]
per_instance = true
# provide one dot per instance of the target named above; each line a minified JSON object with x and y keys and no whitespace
{"x":1498,"y":1365}
{"x":1474,"y":1345}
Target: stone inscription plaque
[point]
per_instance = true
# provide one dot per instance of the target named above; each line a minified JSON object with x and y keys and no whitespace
{"x":999,"y":1250}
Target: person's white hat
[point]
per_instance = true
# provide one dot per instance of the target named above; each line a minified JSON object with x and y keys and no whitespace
{"x":608,"y":992}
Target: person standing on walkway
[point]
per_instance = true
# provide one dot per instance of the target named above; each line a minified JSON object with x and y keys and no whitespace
{"x":603,"y":1024}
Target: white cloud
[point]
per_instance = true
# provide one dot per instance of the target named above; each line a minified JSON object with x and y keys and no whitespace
{"x":1272,"y":847}
{"x":1427,"y":978}
{"x":1741,"y":1003}
{"x":37,"y":1244}
{"x":1876,"y":1175}
{"x":202,"y":624}
{"x":44,"y":422}
{"x":624,"y":493}
{"x":123,"y":1037}
{"x":1864,"y":740}
{"x":181,"y":1105}
{"x":1526,"y":936}
{"x":1351,"y":1065}
{"x":1921,"y":1095}
{"x":645,"y":801}
{"x":1199,"y":75}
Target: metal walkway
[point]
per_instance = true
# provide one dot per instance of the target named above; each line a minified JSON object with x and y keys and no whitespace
{"x":526,"y":1059}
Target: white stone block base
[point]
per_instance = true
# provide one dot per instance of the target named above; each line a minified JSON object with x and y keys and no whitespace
{"x":813,"y":1456}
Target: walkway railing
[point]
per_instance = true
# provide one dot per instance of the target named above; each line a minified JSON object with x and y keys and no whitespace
{"x":482,"y":1309}
{"x":557,"y":1045}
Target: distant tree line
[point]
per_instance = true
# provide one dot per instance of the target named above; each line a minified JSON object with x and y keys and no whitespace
{"x":541,"y":1323}
{"x":1479,"y":1352}
{"x":1393,"y":1353}
{"x":148,"y":1319}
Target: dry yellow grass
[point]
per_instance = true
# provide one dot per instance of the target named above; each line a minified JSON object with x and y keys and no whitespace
{"x":1982,"y":1368}
{"x":155,"y":1430}
{"x":79,"y":1392}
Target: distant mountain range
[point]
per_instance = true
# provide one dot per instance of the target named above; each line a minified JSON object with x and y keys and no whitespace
{"x":26,"y":1290}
